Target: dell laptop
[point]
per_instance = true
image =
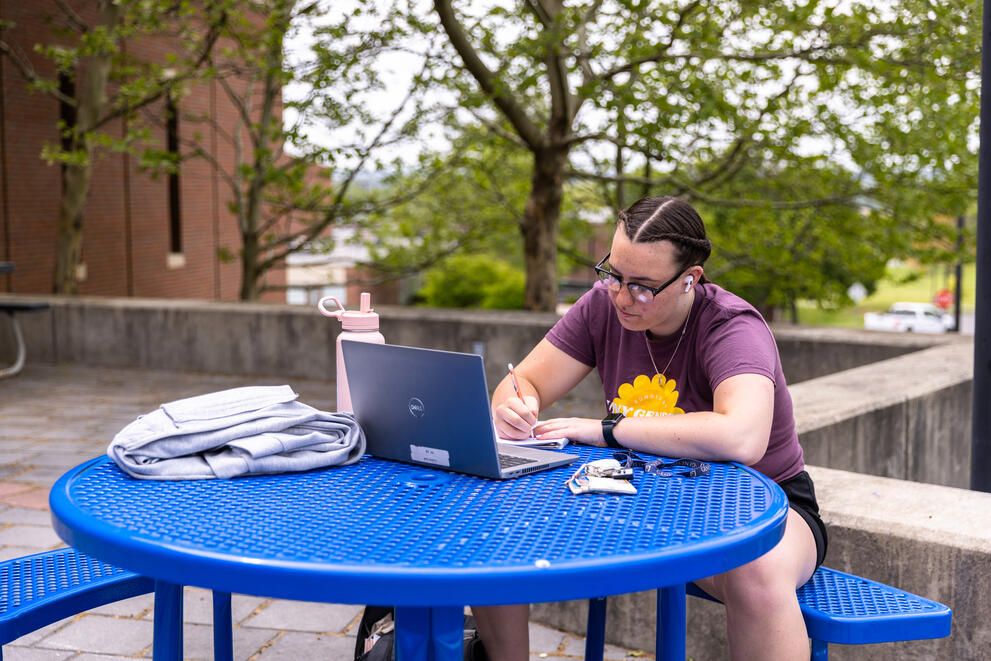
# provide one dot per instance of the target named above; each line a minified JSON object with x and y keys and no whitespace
{"x":429,"y":407}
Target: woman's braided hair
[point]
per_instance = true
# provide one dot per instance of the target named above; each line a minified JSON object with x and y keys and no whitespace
{"x":666,"y":218}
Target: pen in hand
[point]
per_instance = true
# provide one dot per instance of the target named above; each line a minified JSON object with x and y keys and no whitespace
{"x":519,"y":393}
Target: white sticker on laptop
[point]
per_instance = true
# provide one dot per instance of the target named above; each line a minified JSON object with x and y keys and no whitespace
{"x":430,"y":455}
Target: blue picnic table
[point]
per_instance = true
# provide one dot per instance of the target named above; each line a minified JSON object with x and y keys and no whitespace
{"x":428,"y":542}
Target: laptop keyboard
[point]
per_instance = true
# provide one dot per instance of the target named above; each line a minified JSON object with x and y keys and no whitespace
{"x":509,"y":460}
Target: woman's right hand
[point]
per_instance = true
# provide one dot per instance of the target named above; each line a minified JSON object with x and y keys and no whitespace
{"x":514,"y":418}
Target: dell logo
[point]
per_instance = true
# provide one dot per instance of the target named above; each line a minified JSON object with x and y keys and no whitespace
{"x":416,"y":407}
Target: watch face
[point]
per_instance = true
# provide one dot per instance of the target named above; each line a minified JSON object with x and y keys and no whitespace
{"x":613,"y":417}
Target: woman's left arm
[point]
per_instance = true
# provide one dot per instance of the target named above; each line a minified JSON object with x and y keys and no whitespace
{"x":737,"y":429}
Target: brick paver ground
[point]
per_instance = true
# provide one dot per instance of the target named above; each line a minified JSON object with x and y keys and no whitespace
{"x":55,"y":417}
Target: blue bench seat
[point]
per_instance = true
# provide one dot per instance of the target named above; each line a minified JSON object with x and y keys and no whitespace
{"x":838,"y":608}
{"x":39,"y":589}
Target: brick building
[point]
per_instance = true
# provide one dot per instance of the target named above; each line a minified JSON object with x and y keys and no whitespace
{"x":143,"y":236}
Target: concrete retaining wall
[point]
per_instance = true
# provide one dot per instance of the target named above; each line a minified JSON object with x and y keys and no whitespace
{"x":811,"y":352}
{"x":907,"y":417}
{"x":296,"y":341}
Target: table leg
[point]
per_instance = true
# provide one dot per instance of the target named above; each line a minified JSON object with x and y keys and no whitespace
{"x":595,"y":630}
{"x":671,"y":623}
{"x":412,"y":634}
{"x":223,"y":635}
{"x":167,"y":638}
{"x":429,"y":634}
{"x":447,"y":628}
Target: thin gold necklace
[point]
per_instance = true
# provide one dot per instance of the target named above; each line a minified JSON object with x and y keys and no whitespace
{"x":651,"y":355}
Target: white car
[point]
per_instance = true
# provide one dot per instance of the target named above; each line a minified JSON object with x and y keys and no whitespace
{"x":909,"y":318}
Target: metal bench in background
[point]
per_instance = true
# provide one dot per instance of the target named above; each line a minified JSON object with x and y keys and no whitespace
{"x":838,"y":608}
{"x":11,"y":308}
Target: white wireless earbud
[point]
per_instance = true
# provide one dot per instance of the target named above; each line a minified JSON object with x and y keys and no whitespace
{"x":689,"y":281}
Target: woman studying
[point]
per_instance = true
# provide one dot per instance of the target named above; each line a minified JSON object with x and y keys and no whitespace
{"x":688,"y":370}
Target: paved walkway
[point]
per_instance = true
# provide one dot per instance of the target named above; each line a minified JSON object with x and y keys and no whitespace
{"x":55,"y":417}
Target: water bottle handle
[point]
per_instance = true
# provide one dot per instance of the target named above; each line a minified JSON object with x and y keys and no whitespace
{"x":330,"y":313}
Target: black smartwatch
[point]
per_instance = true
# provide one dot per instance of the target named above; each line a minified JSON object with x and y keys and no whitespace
{"x":608,"y":423}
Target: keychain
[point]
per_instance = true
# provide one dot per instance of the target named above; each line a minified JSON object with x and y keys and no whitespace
{"x":610,"y":468}
{"x":601,"y":477}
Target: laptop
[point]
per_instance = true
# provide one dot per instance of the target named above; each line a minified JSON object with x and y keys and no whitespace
{"x":428,"y":407}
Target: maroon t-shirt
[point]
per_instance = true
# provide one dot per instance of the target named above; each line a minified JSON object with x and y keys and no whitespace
{"x":726,"y":336}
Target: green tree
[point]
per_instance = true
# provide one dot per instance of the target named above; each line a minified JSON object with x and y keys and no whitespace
{"x":102,"y":83}
{"x":297,"y":159}
{"x":464,"y":208}
{"x":774,"y":256}
{"x":471,"y":206}
{"x":682,"y":97}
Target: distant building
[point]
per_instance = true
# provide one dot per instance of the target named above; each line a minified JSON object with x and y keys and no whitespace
{"x":311,"y":276}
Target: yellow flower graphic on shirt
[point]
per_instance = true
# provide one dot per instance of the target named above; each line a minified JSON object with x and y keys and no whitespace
{"x":647,"y":397}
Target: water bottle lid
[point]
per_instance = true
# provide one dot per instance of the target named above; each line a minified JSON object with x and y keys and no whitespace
{"x":364,"y":319}
{"x":352,"y":320}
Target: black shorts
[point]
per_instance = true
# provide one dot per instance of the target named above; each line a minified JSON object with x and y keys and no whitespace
{"x":802,"y":498}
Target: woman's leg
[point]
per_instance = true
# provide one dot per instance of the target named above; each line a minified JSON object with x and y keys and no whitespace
{"x":763,"y":618}
{"x":504,"y":631}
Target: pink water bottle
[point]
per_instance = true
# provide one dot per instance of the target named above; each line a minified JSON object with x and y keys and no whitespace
{"x":360,"y":326}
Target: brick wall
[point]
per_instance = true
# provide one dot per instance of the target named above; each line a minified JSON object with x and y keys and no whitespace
{"x":126,"y":242}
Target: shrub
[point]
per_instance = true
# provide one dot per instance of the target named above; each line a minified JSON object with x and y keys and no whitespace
{"x":473,"y":281}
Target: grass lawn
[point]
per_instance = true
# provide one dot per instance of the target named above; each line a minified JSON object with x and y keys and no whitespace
{"x":893,"y":288}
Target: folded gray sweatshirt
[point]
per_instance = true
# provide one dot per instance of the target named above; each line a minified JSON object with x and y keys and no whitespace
{"x":241,"y":431}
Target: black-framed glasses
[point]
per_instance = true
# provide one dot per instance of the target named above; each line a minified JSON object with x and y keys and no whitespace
{"x":661,"y":467}
{"x":639,"y":291}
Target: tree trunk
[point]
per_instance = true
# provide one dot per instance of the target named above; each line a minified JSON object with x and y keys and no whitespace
{"x":69,"y":230}
{"x":265,"y":140}
{"x":539,"y":228}
{"x":250,"y":273}
{"x":768,"y":311}
{"x":251,"y":252}
{"x":91,"y":102}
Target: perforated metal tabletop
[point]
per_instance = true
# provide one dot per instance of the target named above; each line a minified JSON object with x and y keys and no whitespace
{"x":390,"y":533}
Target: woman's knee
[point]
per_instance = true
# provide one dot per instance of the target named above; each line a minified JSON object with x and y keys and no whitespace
{"x":770,"y":581}
{"x":756,"y":586}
